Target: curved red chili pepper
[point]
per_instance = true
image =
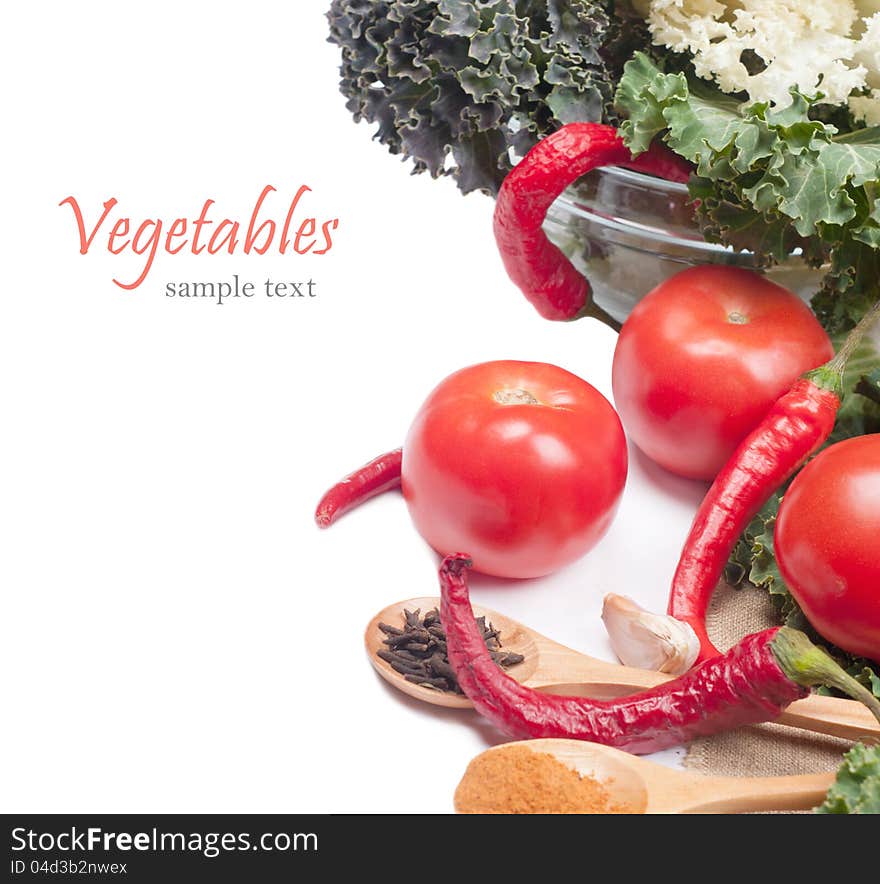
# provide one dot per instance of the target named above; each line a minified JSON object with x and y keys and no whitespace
{"x":795,"y":428}
{"x":378,"y":476}
{"x":797,"y":425}
{"x":745,"y":686}
{"x":547,"y":278}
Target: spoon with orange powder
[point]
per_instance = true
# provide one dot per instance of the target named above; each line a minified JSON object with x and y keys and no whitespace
{"x":571,"y":776}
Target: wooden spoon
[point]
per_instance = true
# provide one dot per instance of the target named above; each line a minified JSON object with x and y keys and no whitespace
{"x":641,"y":786}
{"x":556,"y":669}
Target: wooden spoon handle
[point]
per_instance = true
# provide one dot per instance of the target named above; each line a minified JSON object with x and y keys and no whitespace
{"x":744,"y":794}
{"x":565,"y":671}
{"x":833,"y":716}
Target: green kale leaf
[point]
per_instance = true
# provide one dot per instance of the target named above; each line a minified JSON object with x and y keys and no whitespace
{"x":857,"y":786}
{"x":769,"y":181}
{"x":457,"y":85}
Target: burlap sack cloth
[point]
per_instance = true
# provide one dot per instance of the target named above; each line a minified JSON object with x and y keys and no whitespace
{"x":764,"y":749}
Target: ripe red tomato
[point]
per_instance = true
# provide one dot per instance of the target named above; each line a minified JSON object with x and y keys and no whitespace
{"x":703,"y":357}
{"x":827,"y":541}
{"x":520,"y":465}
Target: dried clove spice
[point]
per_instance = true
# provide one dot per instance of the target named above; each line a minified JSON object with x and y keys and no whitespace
{"x":418,"y":650}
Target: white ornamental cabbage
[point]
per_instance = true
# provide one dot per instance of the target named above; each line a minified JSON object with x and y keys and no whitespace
{"x":827,"y":46}
{"x":867,"y":107}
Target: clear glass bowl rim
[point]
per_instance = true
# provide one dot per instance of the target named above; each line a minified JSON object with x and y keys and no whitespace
{"x":659,"y":185}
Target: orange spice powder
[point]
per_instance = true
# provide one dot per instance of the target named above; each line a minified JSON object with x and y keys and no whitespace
{"x":514,"y":779}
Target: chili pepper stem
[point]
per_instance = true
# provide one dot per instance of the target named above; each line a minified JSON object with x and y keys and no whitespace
{"x":830,"y":375}
{"x":591,"y":310}
{"x":807,"y":664}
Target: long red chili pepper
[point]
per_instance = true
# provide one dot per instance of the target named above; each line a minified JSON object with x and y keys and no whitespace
{"x":752,"y":682}
{"x":795,"y":428}
{"x":379,"y":475}
{"x":797,"y":425}
{"x":547,"y":278}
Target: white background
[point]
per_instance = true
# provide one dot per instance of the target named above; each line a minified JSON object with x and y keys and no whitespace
{"x":177,"y":634}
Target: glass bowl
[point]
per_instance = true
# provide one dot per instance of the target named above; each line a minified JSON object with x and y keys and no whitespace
{"x":627,"y":232}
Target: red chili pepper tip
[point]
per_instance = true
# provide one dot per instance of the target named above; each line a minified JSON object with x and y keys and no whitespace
{"x":378,"y":476}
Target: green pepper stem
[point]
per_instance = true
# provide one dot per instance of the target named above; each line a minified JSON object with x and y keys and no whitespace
{"x":830,"y":375}
{"x":807,"y":664}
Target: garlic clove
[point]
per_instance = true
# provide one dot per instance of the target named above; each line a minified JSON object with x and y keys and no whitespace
{"x":648,"y":641}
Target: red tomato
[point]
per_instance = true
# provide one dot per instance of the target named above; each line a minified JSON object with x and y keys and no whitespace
{"x":703,"y":357}
{"x":520,"y":465}
{"x":828,"y":544}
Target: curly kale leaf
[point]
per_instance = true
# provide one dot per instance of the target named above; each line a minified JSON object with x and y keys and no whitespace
{"x":456,"y":85}
{"x":754,"y":560}
{"x":857,"y":786}
{"x":769,"y":180}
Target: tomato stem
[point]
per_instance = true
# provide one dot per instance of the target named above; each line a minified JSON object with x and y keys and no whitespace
{"x":516,"y":396}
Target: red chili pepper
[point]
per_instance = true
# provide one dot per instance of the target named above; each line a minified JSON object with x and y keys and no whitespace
{"x":546,"y":277}
{"x":752,"y":682}
{"x":379,"y":475}
{"x":796,"y":426}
